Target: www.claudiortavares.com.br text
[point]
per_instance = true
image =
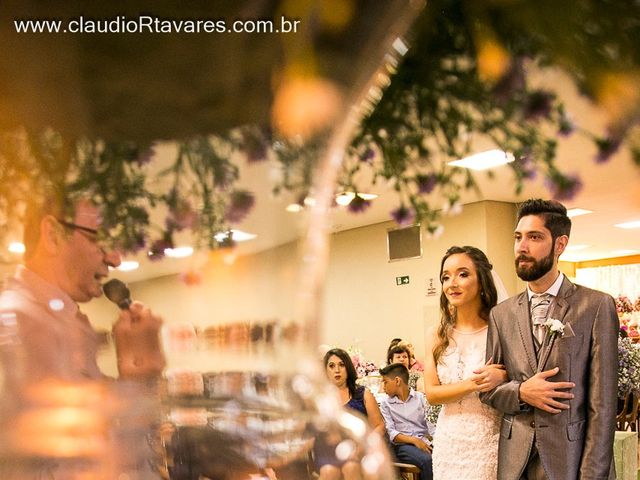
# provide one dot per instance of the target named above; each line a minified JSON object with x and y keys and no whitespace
{"x":151,"y":24}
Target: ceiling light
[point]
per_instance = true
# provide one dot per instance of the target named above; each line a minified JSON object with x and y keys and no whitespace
{"x":620,"y":253}
{"x":16,"y":247}
{"x":484,"y":160}
{"x":572,"y":248}
{"x":634,"y":224}
{"x":576,"y":212}
{"x":236,"y":235}
{"x":400,"y":46}
{"x":345,"y":198}
{"x":309,"y":201}
{"x":128,"y":266}
{"x":178,"y":252}
{"x":294,"y":208}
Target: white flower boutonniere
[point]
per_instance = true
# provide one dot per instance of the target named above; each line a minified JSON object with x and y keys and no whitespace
{"x":554,"y":327}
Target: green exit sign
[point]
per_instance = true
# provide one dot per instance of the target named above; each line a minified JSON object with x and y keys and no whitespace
{"x":402,"y":280}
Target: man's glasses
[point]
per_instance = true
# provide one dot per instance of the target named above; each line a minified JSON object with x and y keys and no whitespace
{"x":90,"y":234}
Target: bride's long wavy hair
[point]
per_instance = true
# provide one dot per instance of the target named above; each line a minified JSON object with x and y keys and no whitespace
{"x":488,"y":296}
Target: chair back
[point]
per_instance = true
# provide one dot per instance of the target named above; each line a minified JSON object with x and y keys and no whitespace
{"x":407,"y":471}
{"x":627,"y":418}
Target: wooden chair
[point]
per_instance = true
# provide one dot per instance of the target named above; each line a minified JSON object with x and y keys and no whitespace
{"x":407,"y":471}
{"x":627,"y":418}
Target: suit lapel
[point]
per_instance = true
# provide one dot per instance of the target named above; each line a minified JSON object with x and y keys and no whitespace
{"x":558,"y":311}
{"x":524,"y":326}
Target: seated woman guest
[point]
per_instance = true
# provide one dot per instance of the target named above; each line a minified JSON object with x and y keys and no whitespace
{"x":401,"y":354}
{"x":415,"y":365}
{"x":342,"y":374}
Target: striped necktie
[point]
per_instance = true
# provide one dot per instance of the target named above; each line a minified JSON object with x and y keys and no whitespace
{"x":539,"y":311}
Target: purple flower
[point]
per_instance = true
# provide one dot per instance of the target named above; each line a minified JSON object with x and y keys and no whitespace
{"x":368,"y":155}
{"x":513,"y":81}
{"x":606,"y":148}
{"x":241,"y":202}
{"x":138,"y":243}
{"x":257,"y":153}
{"x":156,"y":252}
{"x":526,"y":167}
{"x":145,"y":157}
{"x":426,"y":183}
{"x":181,"y":216}
{"x":538,"y":104}
{"x":358,"y":204}
{"x":403,"y":215}
{"x":563,"y":187}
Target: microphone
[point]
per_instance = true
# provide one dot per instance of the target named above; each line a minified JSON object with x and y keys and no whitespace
{"x":118,"y":292}
{"x":136,"y":337}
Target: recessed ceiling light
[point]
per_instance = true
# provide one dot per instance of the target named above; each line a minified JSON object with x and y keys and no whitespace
{"x":633,"y":224}
{"x":16,"y":247}
{"x":236,"y":235}
{"x":620,"y":253}
{"x":576,"y":212}
{"x":294,"y":208}
{"x":178,"y":252}
{"x":484,"y":160}
{"x":345,"y":198}
{"x":576,"y":247}
{"x":128,"y":266}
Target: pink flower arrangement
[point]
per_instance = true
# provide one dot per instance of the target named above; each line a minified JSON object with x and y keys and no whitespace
{"x":624,"y":305}
{"x":362,"y":366}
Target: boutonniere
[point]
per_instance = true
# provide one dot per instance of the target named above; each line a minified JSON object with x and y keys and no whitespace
{"x":554,"y":327}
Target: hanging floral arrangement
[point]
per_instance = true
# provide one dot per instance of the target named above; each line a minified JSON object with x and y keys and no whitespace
{"x":462,"y":73}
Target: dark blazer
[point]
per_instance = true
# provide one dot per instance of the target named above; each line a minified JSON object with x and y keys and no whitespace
{"x":578,"y":442}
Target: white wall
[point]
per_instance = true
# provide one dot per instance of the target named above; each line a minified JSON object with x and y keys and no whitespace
{"x":363,"y":306}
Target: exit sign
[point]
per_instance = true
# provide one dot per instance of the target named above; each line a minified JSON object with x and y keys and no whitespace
{"x":402,"y":280}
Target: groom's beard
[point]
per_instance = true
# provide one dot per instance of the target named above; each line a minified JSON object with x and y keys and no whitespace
{"x":536,"y":269}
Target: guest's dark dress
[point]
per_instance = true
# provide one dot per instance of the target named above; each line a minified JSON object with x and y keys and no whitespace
{"x":324,"y":449}
{"x":357,"y":401}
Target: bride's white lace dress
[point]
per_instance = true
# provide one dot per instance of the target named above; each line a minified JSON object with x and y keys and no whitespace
{"x":465,"y":445}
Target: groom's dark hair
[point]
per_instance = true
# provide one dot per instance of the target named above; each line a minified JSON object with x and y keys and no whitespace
{"x":553,"y":212}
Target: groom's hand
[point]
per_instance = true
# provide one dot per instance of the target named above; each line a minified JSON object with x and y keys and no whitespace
{"x":543,"y":394}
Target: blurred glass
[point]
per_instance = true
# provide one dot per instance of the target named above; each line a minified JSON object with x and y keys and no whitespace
{"x":239,"y":399}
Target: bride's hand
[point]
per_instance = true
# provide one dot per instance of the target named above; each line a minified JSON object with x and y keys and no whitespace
{"x":490,"y":376}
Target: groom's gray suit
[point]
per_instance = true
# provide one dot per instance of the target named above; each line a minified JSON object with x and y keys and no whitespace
{"x":578,"y":442}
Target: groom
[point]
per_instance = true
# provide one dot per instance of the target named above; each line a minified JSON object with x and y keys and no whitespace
{"x":558,"y":342}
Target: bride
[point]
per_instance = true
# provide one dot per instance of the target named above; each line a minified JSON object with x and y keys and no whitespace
{"x":465,"y":445}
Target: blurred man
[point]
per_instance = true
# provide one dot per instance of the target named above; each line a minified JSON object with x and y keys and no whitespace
{"x":65,"y":422}
{"x":65,"y":264}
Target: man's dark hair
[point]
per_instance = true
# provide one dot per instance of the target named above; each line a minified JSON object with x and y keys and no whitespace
{"x":396,"y":370}
{"x":553,"y":212}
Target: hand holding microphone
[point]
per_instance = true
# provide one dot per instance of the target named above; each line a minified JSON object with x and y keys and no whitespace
{"x":136,"y":334}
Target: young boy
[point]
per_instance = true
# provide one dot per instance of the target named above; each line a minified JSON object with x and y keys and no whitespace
{"x":404,"y":417}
